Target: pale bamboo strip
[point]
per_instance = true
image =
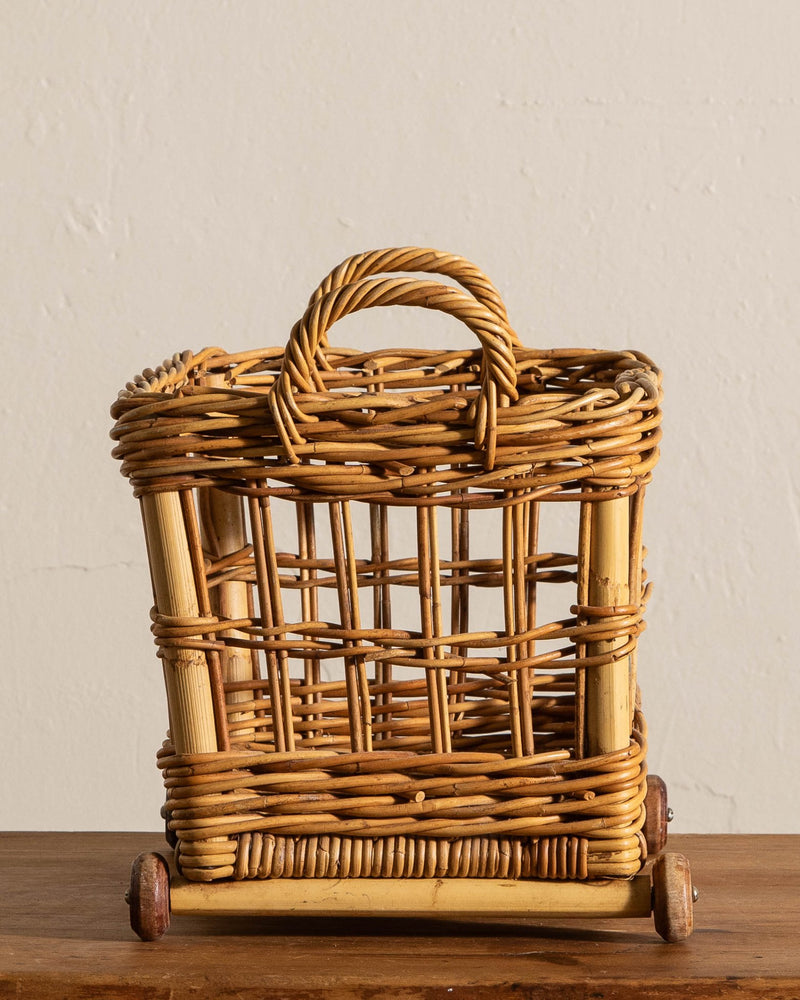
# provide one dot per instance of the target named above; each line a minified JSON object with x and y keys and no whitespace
{"x":382,"y":606}
{"x":521,"y":623}
{"x":636,"y":573}
{"x":426,"y":626}
{"x":584,"y":559}
{"x":460,"y":561}
{"x":608,"y":710}
{"x":223,"y":532}
{"x":146,"y":531}
{"x":309,"y":599}
{"x":357,"y":736}
{"x":277,"y":618}
{"x":531,"y":529}
{"x":459,"y":600}
{"x":265,"y":606}
{"x":355,"y":612}
{"x":185,"y":670}
{"x":195,"y":544}
{"x":440,"y":677}
{"x":379,"y":551}
{"x":254,"y":660}
{"x":510,"y":629}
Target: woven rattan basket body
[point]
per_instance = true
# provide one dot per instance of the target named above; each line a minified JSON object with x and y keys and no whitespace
{"x":398,"y":594}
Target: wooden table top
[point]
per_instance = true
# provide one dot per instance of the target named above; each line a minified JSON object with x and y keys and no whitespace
{"x":64,"y":932}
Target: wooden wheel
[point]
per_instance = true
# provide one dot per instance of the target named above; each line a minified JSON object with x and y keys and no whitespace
{"x":656,"y":814}
{"x":148,"y":896}
{"x":673,"y":897}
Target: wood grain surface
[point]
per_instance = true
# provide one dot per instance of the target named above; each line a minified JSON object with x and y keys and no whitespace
{"x":64,"y":933}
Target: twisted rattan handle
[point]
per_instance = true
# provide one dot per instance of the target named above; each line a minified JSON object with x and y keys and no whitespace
{"x":299,"y":369}
{"x":426,"y":260}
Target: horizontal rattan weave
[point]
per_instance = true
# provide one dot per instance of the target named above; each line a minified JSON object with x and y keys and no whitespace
{"x":377,"y":663}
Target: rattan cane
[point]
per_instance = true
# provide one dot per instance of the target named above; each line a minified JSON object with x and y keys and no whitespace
{"x":377,"y":662}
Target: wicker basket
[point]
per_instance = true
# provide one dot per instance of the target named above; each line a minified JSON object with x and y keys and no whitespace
{"x":378,"y":663}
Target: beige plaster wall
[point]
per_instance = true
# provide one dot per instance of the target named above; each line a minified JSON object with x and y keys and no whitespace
{"x":181,"y":173}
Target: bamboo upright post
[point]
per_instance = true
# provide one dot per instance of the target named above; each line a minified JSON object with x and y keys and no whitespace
{"x":223,"y":527}
{"x":185,"y":670}
{"x":636,"y":580}
{"x":222,"y":524}
{"x":608,"y":709}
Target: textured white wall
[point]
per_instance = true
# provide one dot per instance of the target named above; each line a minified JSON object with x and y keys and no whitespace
{"x":181,"y":173}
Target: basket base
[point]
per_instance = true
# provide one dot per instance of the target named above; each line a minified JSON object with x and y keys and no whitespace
{"x":668,"y":893}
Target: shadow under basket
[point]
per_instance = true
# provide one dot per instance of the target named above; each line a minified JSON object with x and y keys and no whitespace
{"x":398,"y":595}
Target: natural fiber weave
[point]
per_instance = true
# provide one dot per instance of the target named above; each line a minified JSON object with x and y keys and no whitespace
{"x":377,"y":711}
{"x":266,"y":856}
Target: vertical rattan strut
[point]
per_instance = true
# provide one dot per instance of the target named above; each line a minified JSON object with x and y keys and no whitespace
{"x":381,"y":657}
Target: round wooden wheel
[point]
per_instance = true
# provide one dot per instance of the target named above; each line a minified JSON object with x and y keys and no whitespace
{"x":673,"y":897}
{"x":656,"y":814}
{"x":148,"y":896}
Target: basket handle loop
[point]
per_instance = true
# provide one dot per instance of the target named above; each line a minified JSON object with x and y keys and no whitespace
{"x":407,"y":259}
{"x":300,"y":368}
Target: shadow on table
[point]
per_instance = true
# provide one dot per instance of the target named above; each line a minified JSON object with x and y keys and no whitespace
{"x":332,"y":928}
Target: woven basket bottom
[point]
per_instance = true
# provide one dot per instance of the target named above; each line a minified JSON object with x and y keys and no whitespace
{"x":256,"y":814}
{"x":265,"y":856}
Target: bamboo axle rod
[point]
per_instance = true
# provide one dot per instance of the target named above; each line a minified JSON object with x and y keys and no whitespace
{"x":608,"y":708}
{"x":415,"y":897}
{"x":191,"y":706}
